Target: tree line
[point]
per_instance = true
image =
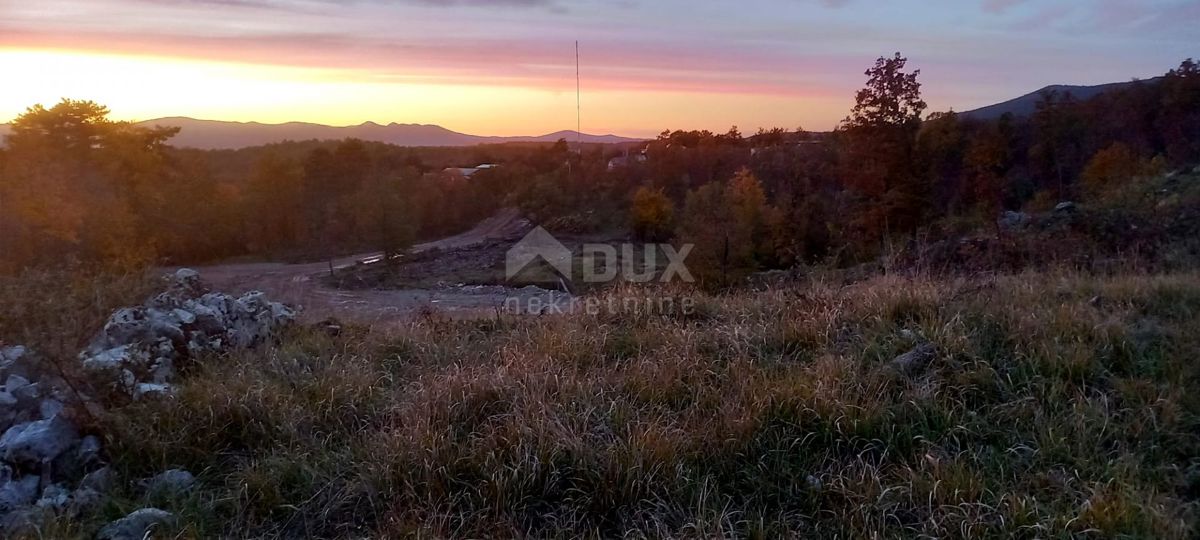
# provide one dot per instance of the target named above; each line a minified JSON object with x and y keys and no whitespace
{"x":889,"y":172}
{"x":77,"y":186}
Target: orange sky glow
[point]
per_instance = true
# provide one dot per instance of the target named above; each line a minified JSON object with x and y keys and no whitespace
{"x":138,"y":87}
{"x":506,"y":67}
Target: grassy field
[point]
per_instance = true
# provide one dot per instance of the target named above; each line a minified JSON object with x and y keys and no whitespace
{"x":1057,"y":405}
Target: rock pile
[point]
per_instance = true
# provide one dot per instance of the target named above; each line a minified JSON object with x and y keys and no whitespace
{"x":42,"y":451}
{"x":139,"y":347}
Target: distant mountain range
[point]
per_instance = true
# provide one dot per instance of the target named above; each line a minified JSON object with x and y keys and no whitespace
{"x":213,"y":134}
{"x":1026,"y":105}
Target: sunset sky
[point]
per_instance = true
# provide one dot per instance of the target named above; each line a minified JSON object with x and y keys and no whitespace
{"x":506,"y":67}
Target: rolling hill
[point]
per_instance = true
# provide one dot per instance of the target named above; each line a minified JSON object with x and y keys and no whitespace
{"x":213,"y":134}
{"x":1027,"y":104}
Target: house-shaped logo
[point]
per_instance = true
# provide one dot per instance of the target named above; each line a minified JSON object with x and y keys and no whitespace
{"x":538,"y":244}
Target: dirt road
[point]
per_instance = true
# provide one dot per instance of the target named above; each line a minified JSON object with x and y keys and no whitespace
{"x":299,"y":284}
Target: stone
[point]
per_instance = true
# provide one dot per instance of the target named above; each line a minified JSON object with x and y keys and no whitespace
{"x":186,"y":277}
{"x":117,"y":365}
{"x":89,"y":450}
{"x":101,"y":480}
{"x":126,"y":326}
{"x":22,"y":523}
{"x":170,"y":483}
{"x":112,"y":359}
{"x":281,"y":315}
{"x":20,"y":387}
{"x":83,"y":500}
{"x":17,"y":492}
{"x":37,"y":442}
{"x":909,"y":334}
{"x":12,"y":354}
{"x":17,"y":360}
{"x":152,"y":391}
{"x":8,"y":410}
{"x":916,"y":360}
{"x":54,"y":497}
{"x":206,"y":319}
{"x":162,"y":370}
{"x":49,"y":408}
{"x":1065,"y":206}
{"x":127,"y":380}
{"x":184,"y":316}
{"x":26,"y":393}
{"x":164,"y":327}
{"x":164,"y":347}
{"x":1013,"y":221}
{"x":137,"y":525}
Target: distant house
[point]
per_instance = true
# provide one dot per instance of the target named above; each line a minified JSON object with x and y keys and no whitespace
{"x":798,"y":141}
{"x":467,"y":172}
{"x":626,"y":160}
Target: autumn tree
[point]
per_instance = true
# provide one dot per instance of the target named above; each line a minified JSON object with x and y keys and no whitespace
{"x":727,"y":225}
{"x":652,"y":215}
{"x":1110,"y":168}
{"x":384,"y":214}
{"x":750,"y":213}
{"x":798,"y":228}
{"x":706,"y":213}
{"x":1056,"y":155}
{"x":1179,"y":120}
{"x":320,"y":185}
{"x":892,"y":97}
{"x":986,"y":162}
{"x":878,"y":142}
{"x":76,"y":184}
{"x":941,"y":143}
{"x":274,"y":204}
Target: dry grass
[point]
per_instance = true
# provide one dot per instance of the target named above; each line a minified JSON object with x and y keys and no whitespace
{"x":1045,"y":414}
{"x":57,"y":311}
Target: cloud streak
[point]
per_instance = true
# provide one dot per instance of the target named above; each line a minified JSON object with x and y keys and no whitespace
{"x":971,"y":53}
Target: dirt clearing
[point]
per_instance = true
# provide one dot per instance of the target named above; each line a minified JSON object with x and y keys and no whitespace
{"x":303,"y":285}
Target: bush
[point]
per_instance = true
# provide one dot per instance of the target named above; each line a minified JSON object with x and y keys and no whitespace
{"x":1109,"y":168}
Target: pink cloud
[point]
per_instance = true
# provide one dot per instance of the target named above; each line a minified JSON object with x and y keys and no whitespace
{"x":530,"y":63}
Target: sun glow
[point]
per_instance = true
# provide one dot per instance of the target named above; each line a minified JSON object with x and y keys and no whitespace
{"x":147,"y":87}
{"x":143,"y":87}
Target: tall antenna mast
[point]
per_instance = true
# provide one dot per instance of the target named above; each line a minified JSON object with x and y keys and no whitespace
{"x":578,"y":105}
